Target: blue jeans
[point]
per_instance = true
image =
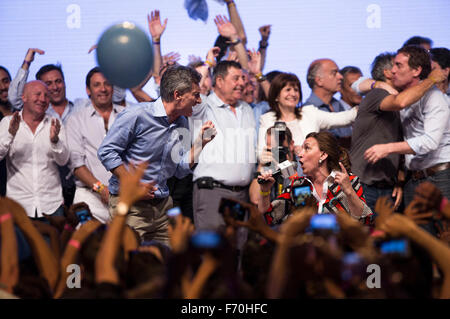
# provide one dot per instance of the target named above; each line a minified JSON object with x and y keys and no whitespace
{"x":372,"y":193}
{"x":440,"y":179}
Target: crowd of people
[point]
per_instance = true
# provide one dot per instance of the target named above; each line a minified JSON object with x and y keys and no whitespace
{"x":222,"y":184}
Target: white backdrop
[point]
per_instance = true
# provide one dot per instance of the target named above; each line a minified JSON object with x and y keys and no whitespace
{"x":352,"y":32}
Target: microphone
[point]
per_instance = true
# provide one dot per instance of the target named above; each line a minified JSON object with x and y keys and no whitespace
{"x":285,"y":169}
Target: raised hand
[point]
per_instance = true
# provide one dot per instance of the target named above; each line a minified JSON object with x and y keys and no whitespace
{"x":343,"y":179}
{"x":428,"y":195}
{"x":298,"y":221}
{"x":29,"y":57}
{"x":376,"y":152}
{"x":265,"y":31}
{"x":207,"y":132}
{"x":398,"y":225}
{"x":154,"y":25}
{"x":417,"y":213}
{"x":14,"y":124}
{"x":180,"y":233}
{"x":232,"y":56}
{"x":171,"y":57}
{"x":437,"y":76}
{"x":211,"y":56}
{"x":54,"y":131}
{"x":225,"y":27}
{"x":384,"y":209}
{"x":254,"y":65}
{"x":131,"y":187}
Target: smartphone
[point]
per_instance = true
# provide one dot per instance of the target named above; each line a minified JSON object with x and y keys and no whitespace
{"x":206,"y":239}
{"x":399,"y":247}
{"x":237,"y":211}
{"x":172,"y":214}
{"x":83,"y":216}
{"x":300,"y":194}
{"x":324,"y":222}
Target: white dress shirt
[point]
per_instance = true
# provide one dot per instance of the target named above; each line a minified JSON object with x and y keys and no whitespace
{"x":85,"y":132}
{"x":313,"y":120}
{"x":230,"y":157}
{"x":426,"y":129}
{"x":31,"y":164}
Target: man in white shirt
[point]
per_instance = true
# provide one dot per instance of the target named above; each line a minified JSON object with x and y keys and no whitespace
{"x":86,"y":129}
{"x":34,"y":144}
{"x":227,"y":163}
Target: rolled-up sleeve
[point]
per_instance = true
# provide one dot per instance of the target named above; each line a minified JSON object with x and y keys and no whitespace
{"x":436,"y":116}
{"x":117,"y":140}
{"x":16,"y":89}
{"x":5,"y":137}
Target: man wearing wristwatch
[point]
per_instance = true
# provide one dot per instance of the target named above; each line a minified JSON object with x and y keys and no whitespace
{"x":86,"y":129}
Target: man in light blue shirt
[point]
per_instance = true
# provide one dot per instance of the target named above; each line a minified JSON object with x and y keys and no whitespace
{"x":426,"y":127}
{"x":324,"y":79}
{"x":155,"y":132}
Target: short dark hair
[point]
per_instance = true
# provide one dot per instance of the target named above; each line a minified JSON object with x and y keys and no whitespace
{"x":277,"y":84}
{"x":418,"y":57}
{"x":350,"y":69}
{"x":90,"y":74}
{"x":221,"y":69}
{"x":418,"y":40}
{"x":383,"y":61}
{"x":442,"y":57}
{"x":177,"y":78}
{"x":47,"y":68}
{"x":6,"y":71}
{"x":312,"y":72}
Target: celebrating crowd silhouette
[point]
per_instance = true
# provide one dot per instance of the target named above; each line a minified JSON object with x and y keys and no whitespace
{"x":220,"y":183}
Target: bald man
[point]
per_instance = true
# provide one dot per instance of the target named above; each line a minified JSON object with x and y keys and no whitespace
{"x":324,"y":79}
{"x":33,"y":144}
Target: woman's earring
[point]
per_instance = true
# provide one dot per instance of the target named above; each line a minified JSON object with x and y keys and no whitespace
{"x":320,"y":161}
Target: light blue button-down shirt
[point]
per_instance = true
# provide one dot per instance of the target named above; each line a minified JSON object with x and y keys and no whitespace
{"x":143,"y":133}
{"x":426,"y":129}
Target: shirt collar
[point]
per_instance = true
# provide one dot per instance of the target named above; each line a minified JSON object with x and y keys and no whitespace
{"x":158,"y":108}
{"x":116,"y":109}
{"x":217,"y":102}
{"x":317,"y":101}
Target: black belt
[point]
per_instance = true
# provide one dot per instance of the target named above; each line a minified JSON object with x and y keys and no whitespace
{"x":430,"y":171}
{"x":209,"y":183}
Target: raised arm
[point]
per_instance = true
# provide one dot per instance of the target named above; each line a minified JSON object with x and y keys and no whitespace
{"x":263,"y":44}
{"x":44,"y":258}
{"x":236,"y":20}
{"x":131,"y":190}
{"x":227,"y":29}
{"x":71,"y":252}
{"x":156,"y":30}
{"x":17,"y":85}
{"x":9,"y":266}
{"x":255,"y":68}
{"x":401,"y":225}
{"x":413,"y":94}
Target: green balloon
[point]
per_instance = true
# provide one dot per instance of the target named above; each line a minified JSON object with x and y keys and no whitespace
{"x":125,"y":55}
